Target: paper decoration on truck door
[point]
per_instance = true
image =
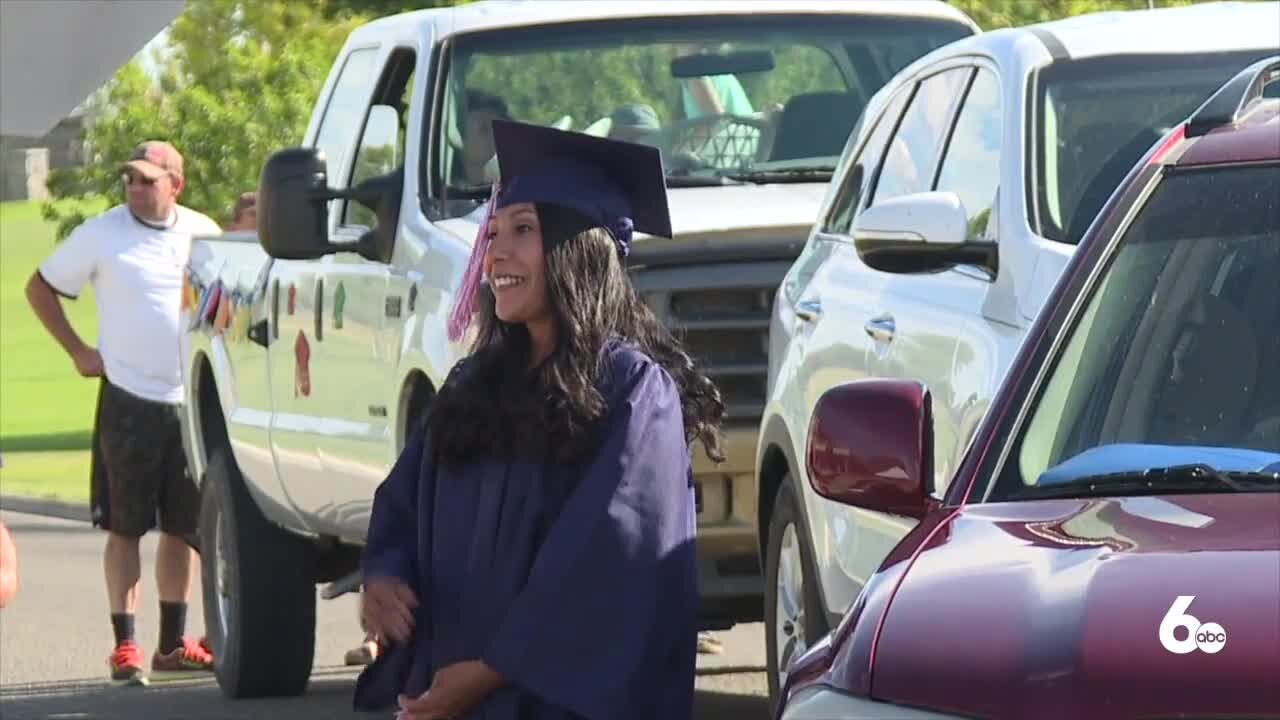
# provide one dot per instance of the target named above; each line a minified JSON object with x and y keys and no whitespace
{"x":339,"y":302}
{"x":222,"y":316}
{"x":301,"y":366}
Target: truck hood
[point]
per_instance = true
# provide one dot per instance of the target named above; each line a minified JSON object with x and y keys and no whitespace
{"x":1054,"y":608}
{"x":708,"y":211}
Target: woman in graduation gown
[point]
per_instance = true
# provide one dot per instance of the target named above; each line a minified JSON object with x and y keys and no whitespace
{"x":531,"y":553}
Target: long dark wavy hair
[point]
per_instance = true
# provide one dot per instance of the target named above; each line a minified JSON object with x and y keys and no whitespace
{"x":493,"y":403}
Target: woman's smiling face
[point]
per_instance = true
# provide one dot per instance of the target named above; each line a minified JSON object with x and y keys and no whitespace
{"x":516,"y":266}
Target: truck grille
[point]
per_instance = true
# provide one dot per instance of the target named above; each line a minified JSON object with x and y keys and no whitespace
{"x":721,"y":313}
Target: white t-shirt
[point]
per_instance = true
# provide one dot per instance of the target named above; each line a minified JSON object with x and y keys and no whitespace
{"x":136,"y":271}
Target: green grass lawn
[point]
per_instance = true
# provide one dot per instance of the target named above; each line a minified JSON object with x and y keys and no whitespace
{"x":46,"y":409}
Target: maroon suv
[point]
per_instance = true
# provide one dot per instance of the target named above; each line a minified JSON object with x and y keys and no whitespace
{"x":1111,"y":545}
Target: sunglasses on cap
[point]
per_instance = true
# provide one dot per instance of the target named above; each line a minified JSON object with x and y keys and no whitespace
{"x":136,"y":179}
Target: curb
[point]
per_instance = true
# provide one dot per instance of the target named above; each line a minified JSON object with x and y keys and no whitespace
{"x":47,"y":508}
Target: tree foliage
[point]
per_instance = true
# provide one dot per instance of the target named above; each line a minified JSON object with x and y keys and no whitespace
{"x":993,"y":14}
{"x":237,"y":82}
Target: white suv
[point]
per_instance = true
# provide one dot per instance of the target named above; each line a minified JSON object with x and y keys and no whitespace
{"x":955,"y":206}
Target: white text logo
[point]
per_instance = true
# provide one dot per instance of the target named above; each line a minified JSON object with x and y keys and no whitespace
{"x":1209,"y":637}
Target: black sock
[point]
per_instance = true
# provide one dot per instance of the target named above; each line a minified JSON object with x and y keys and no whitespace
{"x":122,"y":625}
{"x":173,"y":621}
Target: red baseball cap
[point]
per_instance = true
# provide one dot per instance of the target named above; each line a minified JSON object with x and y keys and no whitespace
{"x":154,"y":158}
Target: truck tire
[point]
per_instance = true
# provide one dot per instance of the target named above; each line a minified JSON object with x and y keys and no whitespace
{"x":259,"y":596}
{"x":802,"y":620}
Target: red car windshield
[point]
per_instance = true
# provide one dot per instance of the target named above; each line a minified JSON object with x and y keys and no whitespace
{"x":1175,"y":352}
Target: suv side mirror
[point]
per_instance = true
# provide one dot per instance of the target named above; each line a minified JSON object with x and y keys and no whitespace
{"x":921,"y":232}
{"x":293,"y":208}
{"x":870,"y":445}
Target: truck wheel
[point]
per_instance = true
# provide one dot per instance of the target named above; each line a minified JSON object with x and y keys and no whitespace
{"x":794,"y":618}
{"x":259,"y":598}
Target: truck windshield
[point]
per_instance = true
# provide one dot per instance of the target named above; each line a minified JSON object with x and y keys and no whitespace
{"x":1173,"y":360}
{"x":725,"y":98}
{"x":1097,"y":117}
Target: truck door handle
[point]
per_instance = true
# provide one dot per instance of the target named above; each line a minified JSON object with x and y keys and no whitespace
{"x":260,"y":333}
{"x":881,"y":328}
{"x":809,"y":310}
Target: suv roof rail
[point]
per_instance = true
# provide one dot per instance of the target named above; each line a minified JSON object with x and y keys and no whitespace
{"x":1230,"y":103}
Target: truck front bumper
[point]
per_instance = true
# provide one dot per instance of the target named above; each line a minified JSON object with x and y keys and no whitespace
{"x":730,"y":577}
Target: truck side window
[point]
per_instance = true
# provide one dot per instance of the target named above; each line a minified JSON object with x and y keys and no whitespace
{"x":912,"y":156}
{"x":345,"y":109}
{"x":854,"y":183}
{"x":971,"y":167}
{"x":381,"y":148}
{"x":379,"y":153}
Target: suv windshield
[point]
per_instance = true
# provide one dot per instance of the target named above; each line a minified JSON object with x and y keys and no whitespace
{"x":1177,"y":347}
{"x":726,"y":99}
{"x":1096,"y":119}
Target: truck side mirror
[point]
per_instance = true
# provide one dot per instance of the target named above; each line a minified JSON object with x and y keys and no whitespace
{"x":293,"y":210}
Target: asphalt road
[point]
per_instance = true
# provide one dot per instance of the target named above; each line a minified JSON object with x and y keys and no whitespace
{"x":55,"y":637}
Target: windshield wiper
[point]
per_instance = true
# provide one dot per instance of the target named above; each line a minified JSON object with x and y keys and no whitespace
{"x":1192,"y":478}
{"x":687,"y":181}
{"x":809,"y":173}
{"x":469,"y":192}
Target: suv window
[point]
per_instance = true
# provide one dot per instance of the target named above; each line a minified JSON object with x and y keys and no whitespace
{"x":1096,"y":117}
{"x":971,"y":166}
{"x":858,"y":179}
{"x":913,"y":154}
{"x":1176,"y":345}
{"x":345,"y":110}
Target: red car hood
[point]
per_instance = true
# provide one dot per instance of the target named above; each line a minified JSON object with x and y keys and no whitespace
{"x":1052,"y":609}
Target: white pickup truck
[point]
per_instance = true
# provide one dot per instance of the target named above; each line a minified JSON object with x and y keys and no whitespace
{"x":314,"y":346}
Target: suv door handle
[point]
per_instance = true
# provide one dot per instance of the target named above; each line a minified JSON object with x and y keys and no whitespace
{"x":809,"y":310}
{"x":881,"y":328}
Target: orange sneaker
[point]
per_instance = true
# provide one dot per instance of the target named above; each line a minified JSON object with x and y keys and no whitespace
{"x":126,"y":662}
{"x":186,"y":657}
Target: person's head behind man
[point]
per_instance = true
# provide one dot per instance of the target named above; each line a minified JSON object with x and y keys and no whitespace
{"x":477,"y":134}
{"x":633,"y":121}
{"x":244,"y":215}
{"x":153,"y":179}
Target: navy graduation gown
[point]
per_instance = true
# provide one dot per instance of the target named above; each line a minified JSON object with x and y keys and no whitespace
{"x":577,"y":583}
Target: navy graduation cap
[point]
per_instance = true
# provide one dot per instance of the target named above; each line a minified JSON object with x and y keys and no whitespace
{"x":610,"y":181}
{"x":620,"y":186}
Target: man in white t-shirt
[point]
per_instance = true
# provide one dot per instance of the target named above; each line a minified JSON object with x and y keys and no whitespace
{"x":134,"y":256}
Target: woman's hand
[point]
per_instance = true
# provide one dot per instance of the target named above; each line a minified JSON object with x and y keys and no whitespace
{"x":454,"y":691}
{"x":386,"y":608}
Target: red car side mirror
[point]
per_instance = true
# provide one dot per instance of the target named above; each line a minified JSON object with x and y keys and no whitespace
{"x":870,"y":445}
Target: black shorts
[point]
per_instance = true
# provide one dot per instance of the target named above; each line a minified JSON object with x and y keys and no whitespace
{"x":139,"y":479}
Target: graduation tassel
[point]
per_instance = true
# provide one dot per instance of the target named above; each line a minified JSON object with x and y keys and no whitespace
{"x":464,"y":305}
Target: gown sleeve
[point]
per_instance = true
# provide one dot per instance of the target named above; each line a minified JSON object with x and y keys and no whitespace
{"x":608,"y":614}
{"x":391,"y":549}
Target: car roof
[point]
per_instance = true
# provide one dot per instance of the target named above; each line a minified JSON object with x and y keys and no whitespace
{"x":1207,"y":27}
{"x":496,"y":14}
{"x":1255,"y":138}
{"x":1219,"y":27}
{"x":1238,"y":123}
